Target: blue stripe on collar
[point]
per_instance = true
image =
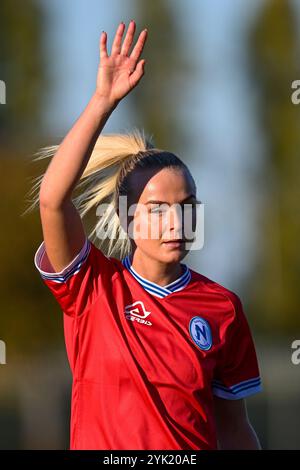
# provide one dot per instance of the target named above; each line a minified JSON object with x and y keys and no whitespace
{"x":156,"y":289}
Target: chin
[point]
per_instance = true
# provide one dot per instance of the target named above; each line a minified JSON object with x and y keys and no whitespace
{"x":174,"y":257}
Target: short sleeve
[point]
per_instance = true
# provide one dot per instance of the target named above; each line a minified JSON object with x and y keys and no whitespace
{"x":78,"y":285}
{"x":237,"y":373}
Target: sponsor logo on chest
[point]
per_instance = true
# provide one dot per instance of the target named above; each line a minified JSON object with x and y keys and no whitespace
{"x":199,"y":328}
{"x":137,"y":312}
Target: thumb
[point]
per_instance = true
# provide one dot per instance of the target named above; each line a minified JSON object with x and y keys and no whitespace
{"x":138,"y":73}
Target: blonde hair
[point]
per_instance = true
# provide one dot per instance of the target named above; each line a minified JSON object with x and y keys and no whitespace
{"x":105,"y":178}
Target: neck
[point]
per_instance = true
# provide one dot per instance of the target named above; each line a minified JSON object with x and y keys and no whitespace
{"x":155,"y":271}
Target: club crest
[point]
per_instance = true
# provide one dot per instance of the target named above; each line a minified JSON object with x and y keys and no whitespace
{"x":200,"y":332}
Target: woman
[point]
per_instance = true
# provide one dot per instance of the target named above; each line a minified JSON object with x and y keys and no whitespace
{"x":162,"y":357}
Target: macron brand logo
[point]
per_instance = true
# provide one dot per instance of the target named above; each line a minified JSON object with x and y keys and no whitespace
{"x":137,"y":312}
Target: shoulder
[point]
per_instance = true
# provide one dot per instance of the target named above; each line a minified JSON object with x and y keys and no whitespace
{"x":217,"y":290}
{"x":100,"y":254}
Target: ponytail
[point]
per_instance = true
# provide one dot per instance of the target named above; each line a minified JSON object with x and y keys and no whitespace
{"x":105,"y":178}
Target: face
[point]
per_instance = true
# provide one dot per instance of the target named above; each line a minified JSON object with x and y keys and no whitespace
{"x":160,"y":215}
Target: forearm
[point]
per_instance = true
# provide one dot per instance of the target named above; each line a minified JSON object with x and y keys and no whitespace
{"x":71,"y":158}
{"x":242,"y":437}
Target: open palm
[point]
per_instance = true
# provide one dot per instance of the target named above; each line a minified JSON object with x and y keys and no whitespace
{"x":119,"y":73}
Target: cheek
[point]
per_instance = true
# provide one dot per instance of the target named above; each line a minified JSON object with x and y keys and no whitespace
{"x":189,"y":221}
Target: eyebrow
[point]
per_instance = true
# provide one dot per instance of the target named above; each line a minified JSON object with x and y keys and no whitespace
{"x":152,"y":201}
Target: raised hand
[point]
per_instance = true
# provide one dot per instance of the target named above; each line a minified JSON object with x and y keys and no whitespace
{"x":120,"y":72}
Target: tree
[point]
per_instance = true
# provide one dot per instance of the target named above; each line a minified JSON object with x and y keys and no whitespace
{"x":275,"y":62}
{"x":22,"y":68}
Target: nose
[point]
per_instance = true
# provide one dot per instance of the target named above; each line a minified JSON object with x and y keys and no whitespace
{"x":173,"y":222}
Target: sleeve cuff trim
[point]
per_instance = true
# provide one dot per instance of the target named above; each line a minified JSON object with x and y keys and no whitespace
{"x":72,"y":268}
{"x":239,"y":390}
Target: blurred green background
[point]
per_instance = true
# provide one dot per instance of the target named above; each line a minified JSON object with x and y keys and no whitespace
{"x":217,"y":91}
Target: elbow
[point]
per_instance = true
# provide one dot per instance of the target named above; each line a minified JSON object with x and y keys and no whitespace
{"x":51,"y":199}
{"x":52,"y":202}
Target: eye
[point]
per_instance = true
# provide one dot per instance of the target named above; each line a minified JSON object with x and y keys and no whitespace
{"x":189,"y":205}
{"x":157,"y":210}
{"x":192,"y":204}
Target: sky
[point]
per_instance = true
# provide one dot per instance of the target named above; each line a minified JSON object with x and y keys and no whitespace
{"x":219,"y":113}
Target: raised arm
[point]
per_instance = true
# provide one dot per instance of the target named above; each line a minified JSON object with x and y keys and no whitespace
{"x":118,"y":74}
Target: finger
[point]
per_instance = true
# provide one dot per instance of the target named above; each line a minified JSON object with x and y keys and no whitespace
{"x":138,"y":73}
{"x":138,"y":48}
{"x":128,"y":38}
{"x":103,"y":49}
{"x":116,"y":46}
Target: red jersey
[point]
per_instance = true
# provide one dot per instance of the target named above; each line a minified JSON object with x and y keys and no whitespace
{"x":146,"y":360}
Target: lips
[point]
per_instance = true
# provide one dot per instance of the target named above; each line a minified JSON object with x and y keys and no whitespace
{"x":177,"y":240}
{"x":175,"y":244}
